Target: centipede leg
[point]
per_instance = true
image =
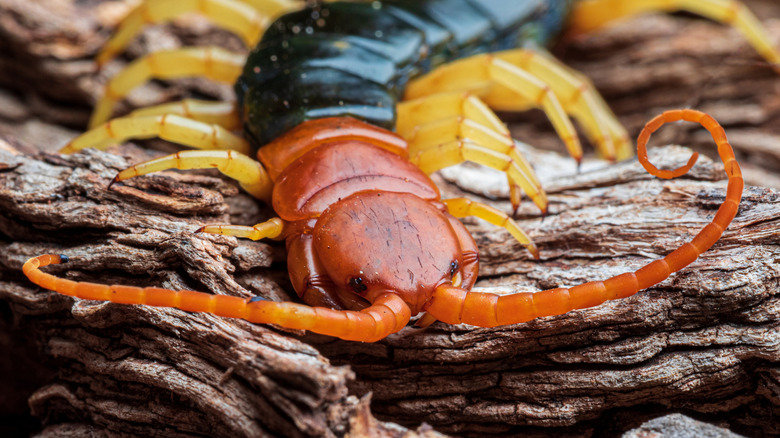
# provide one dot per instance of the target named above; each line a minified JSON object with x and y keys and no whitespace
{"x":247,"y":19}
{"x":458,"y":151}
{"x":429,"y":121}
{"x":169,"y":127}
{"x":224,"y":114}
{"x":386,"y":315}
{"x":577,"y":95}
{"x":593,"y":14}
{"x":479,"y":72}
{"x":271,"y":229}
{"x":248,"y":172}
{"x":210,"y":62}
{"x":462,"y":207}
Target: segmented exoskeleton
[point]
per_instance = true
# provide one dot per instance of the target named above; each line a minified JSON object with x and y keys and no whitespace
{"x":345,"y":188}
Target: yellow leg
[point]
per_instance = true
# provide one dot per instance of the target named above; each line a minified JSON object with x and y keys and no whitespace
{"x":624,"y":147}
{"x":578,"y":97}
{"x":476,"y":73}
{"x":430,"y":121}
{"x":462,"y":207}
{"x":248,"y":172}
{"x":416,"y":112}
{"x":458,"y":151}
{"x":209,"y":62}
{"x":273,"y":7}
{"x":271,"y":229}
{"x":224,"y":114}
{"x":169,"y":127}
{"x":593,"y":14}
{"x":247,"y":19}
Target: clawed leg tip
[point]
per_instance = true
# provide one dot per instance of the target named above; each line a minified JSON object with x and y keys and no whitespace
{"x":113,"y":181}
{"x":64,"y":258}
{"x":100,"y":61}
{"x":200,"y":230}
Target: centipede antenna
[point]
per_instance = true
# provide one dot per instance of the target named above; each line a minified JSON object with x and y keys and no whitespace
{"x":456,"y":305}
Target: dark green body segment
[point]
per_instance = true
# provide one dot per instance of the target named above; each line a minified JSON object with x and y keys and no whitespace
{"x":354,"y":59}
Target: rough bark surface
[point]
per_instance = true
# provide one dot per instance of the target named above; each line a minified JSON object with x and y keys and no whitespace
{"x":704,"y":342}
{"x":678,"y":426}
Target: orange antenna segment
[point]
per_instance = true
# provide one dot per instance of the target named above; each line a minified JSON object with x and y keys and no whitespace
{"x":455,"y":305}
{"x":388,"y":313}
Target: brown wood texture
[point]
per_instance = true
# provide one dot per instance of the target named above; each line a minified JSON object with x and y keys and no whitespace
{"x":705,"y":342}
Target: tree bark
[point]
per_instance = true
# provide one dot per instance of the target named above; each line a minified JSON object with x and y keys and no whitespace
{"x":704,"y":342}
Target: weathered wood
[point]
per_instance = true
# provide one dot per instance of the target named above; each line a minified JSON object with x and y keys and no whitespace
{"x":705,"y":341}
{"x":678,"y":426}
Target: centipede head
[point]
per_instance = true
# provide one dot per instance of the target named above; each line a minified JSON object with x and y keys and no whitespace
{"x":373,"y":242}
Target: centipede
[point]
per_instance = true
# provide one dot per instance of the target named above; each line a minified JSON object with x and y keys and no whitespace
{"x":349,"y":107}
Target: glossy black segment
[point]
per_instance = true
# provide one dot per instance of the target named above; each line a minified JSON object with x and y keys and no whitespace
{"x":439,"y":46}
{"x":318,"y":51}
{"x":300,"y":94}
{"x":470,"y":27}
{"x":508,"y":14}
{"x":372,"y":27}
{"x":552,"y":21}
{"x":355,"y":58}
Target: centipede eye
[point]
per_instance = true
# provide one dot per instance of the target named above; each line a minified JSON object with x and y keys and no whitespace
{"x":356,"y":283}
{"x":453,"y":268}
